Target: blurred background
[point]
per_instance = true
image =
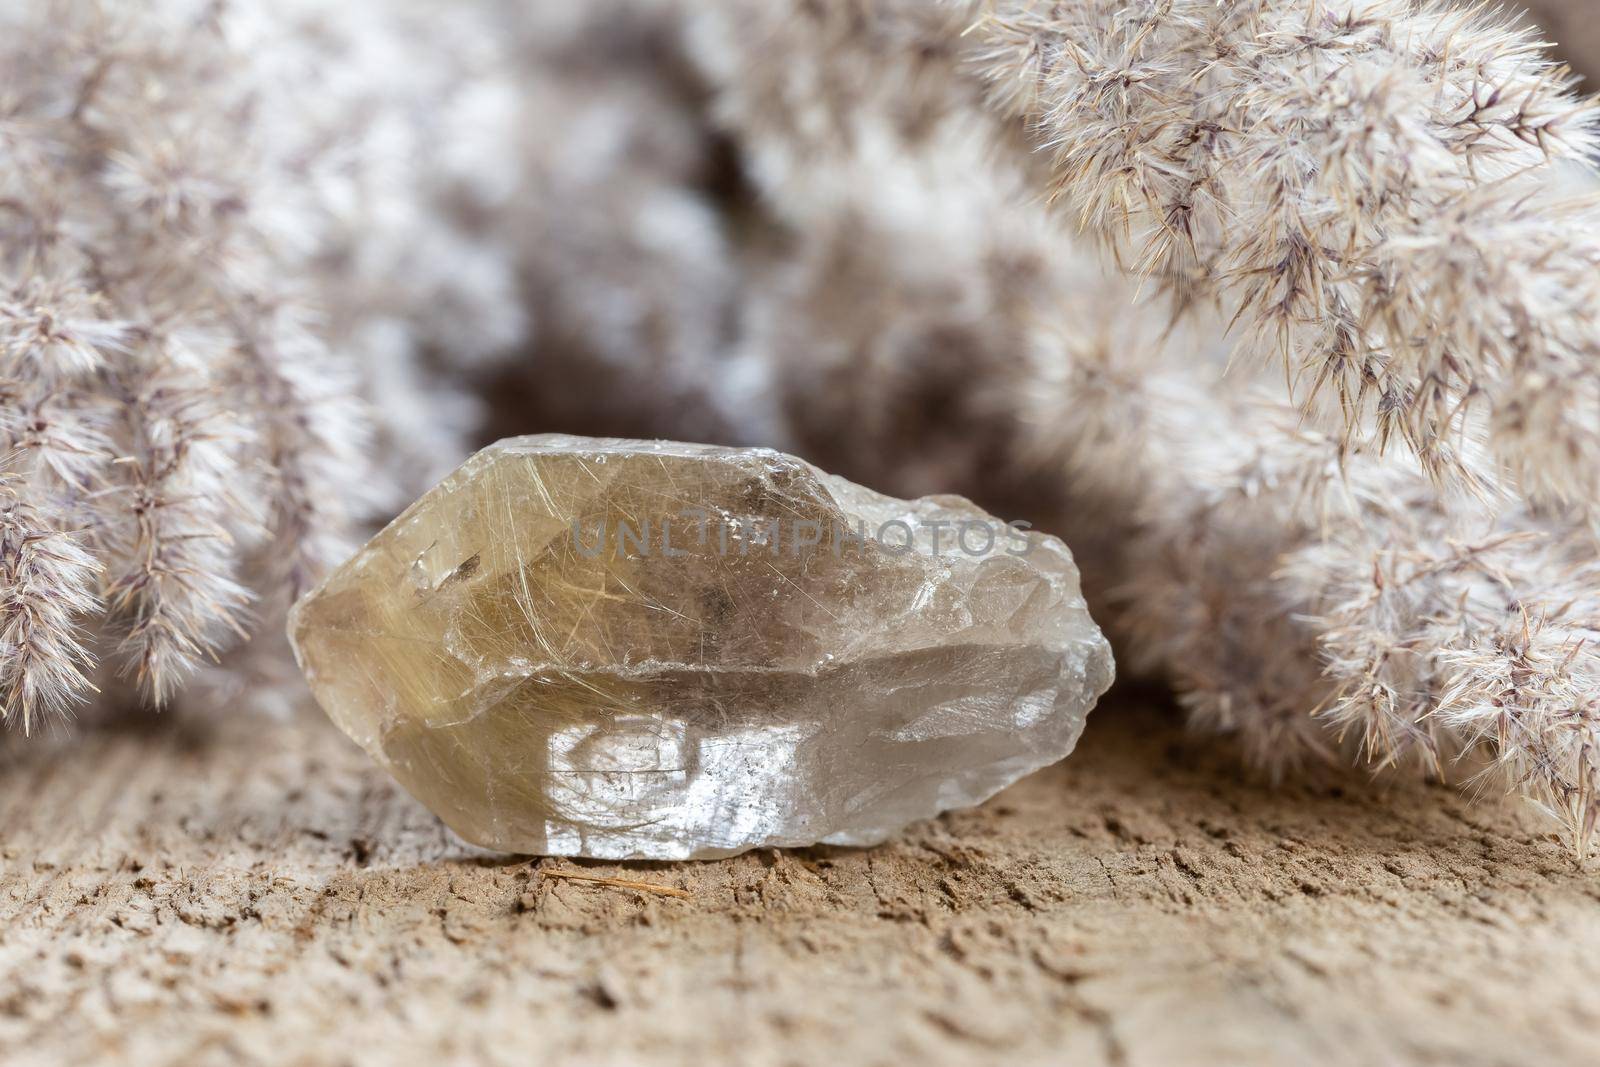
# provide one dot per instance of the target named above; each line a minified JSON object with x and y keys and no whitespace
{"x":278,"y":267}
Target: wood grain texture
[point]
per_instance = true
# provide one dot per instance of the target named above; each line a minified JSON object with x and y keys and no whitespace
{"x":255,"y":892}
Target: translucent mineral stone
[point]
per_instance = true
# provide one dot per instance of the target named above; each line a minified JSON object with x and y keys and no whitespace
{"x":628,"y":649}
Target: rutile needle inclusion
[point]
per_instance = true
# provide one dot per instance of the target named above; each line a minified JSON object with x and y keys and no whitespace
{"x":652,"y":650}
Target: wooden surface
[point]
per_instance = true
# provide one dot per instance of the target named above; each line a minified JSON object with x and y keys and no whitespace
{"x":254,"y":892}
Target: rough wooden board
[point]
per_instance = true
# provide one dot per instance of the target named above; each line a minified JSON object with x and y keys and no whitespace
{"x":260,"y":893}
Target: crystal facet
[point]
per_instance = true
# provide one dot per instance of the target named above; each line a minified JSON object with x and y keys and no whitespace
{"x":629,"y":649}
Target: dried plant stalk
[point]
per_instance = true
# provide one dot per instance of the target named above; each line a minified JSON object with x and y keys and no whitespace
{"x":1365,"y":186}
{"x":1371,"y":189}
{"x":182,"y":423}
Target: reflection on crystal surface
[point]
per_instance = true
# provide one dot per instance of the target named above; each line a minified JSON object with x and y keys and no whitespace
{"x":657,"y":650}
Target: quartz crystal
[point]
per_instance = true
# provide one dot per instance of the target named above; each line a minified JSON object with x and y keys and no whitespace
{"x":629,"y":649}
